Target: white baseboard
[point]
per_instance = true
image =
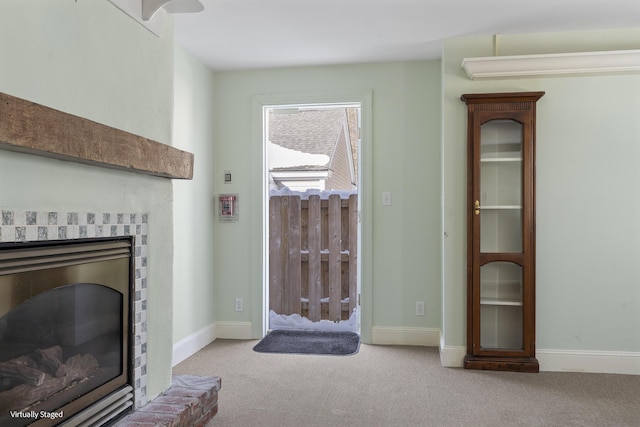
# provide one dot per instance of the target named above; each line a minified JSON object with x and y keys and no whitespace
{"x":610,"y":362}
{"x":619,"y":362}
{"x":234,"y":330}
{"x":452,"y":356}
{"x":189,"y":345}
{"x":192,"y":343}
{"x":389,"y":335}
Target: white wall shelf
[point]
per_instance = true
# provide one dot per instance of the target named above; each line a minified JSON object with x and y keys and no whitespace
{"x":526,"y":66}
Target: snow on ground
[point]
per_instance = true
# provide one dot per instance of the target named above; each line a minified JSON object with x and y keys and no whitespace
{"x":297,"y":322}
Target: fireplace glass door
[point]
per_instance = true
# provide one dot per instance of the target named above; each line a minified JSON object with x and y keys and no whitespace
{"x":63,"y":331}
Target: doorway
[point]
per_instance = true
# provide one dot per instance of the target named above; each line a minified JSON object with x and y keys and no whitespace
{"x":312,"y":215}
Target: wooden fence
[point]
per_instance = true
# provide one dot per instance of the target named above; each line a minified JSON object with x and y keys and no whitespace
{"x":312,"y":256}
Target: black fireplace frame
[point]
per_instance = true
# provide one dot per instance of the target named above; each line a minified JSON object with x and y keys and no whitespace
{"x":116,"y":388}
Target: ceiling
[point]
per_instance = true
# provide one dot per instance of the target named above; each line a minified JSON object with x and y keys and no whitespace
{"x":248,"y":34}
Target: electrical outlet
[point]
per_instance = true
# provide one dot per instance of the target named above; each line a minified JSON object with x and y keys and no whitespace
{"x":239,"y":304}
{"x":420,"y":310}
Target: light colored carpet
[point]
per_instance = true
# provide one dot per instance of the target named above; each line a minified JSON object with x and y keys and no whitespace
{"x":402,"y":386}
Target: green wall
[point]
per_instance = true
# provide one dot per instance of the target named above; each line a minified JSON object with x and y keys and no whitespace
{"x":91,"y":60}
{"x":405,"y":262}
{"x":193,"y":207}
{"x":587,"y":180}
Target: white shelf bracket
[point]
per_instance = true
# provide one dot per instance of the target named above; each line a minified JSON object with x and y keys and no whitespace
{"x":151,"y":14}
{"x":150,"y":7}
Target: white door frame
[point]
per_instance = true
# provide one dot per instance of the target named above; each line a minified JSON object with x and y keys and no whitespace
{"x":259,"y":227}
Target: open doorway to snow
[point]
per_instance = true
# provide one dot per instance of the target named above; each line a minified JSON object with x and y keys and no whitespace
{"x":313,"y":175}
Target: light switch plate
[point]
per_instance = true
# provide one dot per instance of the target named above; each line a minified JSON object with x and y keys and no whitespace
{"x":386,"y":198}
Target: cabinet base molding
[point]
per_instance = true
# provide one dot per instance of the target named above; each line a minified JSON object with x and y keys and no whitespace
{"x":512,"y":364}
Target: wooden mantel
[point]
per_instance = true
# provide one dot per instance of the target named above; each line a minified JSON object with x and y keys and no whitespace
{"x":32,"y":128}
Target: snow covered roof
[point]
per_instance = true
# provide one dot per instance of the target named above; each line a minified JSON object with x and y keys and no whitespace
{"x":305,"y":139}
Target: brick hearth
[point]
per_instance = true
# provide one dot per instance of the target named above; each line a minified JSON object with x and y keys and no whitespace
{"x":190,"y":401}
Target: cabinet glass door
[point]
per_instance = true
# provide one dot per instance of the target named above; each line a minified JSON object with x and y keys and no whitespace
{"x":501,"y":186}
{"x":501,"y":305}
{"x":501,"y":221}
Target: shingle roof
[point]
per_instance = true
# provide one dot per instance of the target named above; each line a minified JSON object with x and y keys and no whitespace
{"x":308,"y":131}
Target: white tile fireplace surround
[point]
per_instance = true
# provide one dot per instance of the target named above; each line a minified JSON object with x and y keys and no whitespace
{"x":25,"y":226}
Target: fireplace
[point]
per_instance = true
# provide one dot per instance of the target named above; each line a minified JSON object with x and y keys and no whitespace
{"x":66,"y":331}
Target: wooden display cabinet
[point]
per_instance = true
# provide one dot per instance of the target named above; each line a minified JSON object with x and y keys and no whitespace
{"x":501,"y":231}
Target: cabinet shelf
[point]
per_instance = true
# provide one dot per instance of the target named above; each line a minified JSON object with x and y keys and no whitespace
{"x":501,"y":159}
{"x":500,"y":301}
{"x":500,"y":207}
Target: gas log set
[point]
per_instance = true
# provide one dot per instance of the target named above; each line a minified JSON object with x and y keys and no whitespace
{"x":36,"y":377}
